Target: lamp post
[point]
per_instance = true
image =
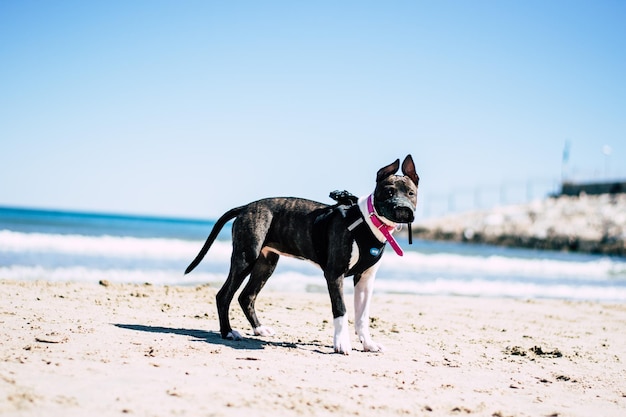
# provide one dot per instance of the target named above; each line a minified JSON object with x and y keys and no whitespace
{"x":565,"y":162}
{"x":607,"y":151}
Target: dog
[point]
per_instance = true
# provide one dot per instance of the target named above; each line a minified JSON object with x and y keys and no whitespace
{"x":346,"y":239}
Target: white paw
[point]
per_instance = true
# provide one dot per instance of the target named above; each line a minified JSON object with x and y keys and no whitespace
{"x":341,"y":339}
{"x":343,"y":346}
{"x":264,"y":331}
{"x":370,"y":346}
{"x":234,"y":335}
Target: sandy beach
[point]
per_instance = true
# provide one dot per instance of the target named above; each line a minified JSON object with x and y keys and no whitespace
{"x":77,"y":349}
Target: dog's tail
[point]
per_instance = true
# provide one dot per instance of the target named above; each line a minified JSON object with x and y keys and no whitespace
{"x":226,"y":217}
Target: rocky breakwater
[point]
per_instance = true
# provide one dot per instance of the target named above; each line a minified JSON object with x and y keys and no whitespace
{"x":586,"y":223}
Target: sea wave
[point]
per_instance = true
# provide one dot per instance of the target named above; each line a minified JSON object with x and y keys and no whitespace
{"x":112,"y":246}
{"x":492,"y":288}
{"x":161,"y":261}
{"x":411,"y":266}
{"x":450,"y":264}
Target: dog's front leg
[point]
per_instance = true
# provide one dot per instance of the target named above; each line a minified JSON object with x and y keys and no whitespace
{"x":363,"y":291}
{"x":341,"y":339}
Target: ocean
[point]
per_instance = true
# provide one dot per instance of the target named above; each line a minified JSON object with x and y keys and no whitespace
{"x":89,"y":247}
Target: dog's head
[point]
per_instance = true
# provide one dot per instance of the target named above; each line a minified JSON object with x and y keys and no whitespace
{"x":395,"y":196}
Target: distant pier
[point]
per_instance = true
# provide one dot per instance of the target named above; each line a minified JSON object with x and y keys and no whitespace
{"x":593,"y":188}
{"x":580,"y":219}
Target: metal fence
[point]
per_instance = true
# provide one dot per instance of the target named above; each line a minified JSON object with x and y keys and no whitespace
{"x":484,"y":197}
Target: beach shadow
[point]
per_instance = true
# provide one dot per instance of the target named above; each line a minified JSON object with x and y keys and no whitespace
{"x":214,"y":338}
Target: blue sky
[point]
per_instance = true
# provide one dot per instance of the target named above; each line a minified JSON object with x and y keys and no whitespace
{"x":188,"y":108}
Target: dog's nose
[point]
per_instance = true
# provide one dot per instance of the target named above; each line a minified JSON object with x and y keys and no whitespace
{"x":403,"y":215}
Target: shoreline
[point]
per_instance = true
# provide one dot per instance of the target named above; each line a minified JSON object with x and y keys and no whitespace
{"x":124,"y":349}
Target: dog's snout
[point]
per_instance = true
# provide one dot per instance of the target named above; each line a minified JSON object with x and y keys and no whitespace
{"x":403,"y":214}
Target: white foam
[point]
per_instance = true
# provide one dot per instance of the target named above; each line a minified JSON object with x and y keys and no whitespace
{"x":417,"y":263}
{"x":82,"y":274}
{"x":413,"y":263}
{"x":417,"y":273}
{"x":122,"y":247}
{"x":483,"y":288}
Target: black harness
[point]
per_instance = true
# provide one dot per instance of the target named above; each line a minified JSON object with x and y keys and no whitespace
{"x":370,"y":248}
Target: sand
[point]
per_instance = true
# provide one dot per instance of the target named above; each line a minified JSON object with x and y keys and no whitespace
{"x":77,"y":349}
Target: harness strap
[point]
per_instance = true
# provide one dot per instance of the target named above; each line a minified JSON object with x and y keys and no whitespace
{"x":370,"y":248}
{"x":355,"y":224}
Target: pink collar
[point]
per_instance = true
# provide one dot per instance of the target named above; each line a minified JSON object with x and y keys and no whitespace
{"x":384,"y":229}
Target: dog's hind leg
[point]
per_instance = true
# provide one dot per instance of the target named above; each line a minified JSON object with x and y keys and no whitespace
{"x":239,"y":269}
{"x":262,"y":270}
{"x":249,"y":231}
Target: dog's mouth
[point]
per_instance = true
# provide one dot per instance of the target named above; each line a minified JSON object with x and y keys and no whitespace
{"x":398,"y":214}
{"x":402,"y":214}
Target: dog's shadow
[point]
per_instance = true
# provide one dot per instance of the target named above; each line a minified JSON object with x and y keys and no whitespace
{"x":214,"y":338}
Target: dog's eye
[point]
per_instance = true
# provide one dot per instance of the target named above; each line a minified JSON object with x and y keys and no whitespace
{"x":390,"y":192}
{"x":411,"y":193}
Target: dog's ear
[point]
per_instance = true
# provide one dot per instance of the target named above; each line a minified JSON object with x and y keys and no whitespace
{"x":408,"y":169}
{"x":388,"y":171}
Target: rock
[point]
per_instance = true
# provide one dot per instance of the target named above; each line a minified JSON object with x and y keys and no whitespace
{"x":52,"y":337}
{"x":591,"y":224}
